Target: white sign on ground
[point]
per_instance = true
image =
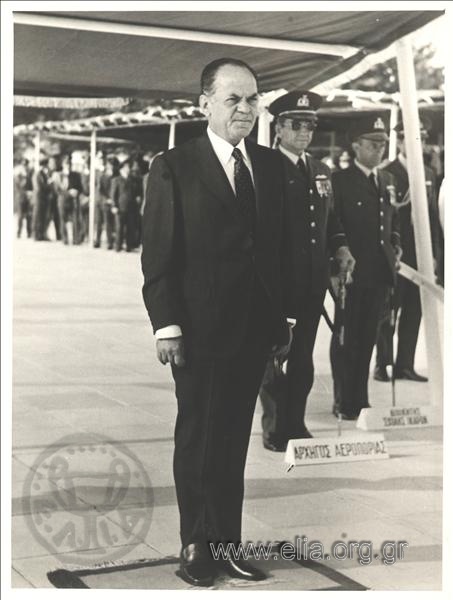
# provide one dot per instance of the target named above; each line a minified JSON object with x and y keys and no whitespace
{"x":348,"y":448}
{"x":399,"y":417}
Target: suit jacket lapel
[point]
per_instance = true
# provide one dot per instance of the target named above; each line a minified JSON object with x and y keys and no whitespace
{"x":213,"y":175}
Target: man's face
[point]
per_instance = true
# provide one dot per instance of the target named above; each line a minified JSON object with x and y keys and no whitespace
{"x":369,"y":152}
{"x":232,"y":107}
{"x":295,"y":134}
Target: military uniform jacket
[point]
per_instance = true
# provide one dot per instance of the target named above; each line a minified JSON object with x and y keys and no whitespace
{"x":397,"y":169}
{"x":315,"y":229}
{"x":370,"y":223}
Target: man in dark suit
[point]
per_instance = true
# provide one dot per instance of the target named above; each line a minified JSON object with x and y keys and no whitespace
{"x":316,"y":235}
{"x":104,"y":202}
{"x":41,"y":197}
{"x":406,"y":299}
{"x":212,"y":263}
{"x":364,"y":198}
{"x":126,"y":192}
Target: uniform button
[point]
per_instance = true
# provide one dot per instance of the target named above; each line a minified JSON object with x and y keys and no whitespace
{"x":311,"y":192}
{"x":382,"y":227}
{"x":313,"y":224}
{"x":313,"y":241}
{"x":382,"y":242}
{"x":312,"y":207}
{"x":382,"y":200}
{"x":382,"y":213}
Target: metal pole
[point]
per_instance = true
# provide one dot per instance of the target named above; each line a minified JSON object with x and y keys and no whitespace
{"x":420,"y":215}
{"x":92,"y":186}
{"x":264,"y":129}
{"x":393,"y":148}
{"x":171,"y":135}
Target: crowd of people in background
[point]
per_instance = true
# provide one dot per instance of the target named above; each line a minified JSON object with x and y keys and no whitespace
{"x":57,"y":195}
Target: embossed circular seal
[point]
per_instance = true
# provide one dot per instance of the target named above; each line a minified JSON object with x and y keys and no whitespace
{"x":88,"y":499}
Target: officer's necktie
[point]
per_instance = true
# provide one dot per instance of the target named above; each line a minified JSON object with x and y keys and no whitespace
{"x":372,"y":179}
{"x":302,"y":167}
{"x":245,"y":192}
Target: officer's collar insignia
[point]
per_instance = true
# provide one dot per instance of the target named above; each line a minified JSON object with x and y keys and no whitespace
{"x":303,"y":101}
{"x":379,"y":124}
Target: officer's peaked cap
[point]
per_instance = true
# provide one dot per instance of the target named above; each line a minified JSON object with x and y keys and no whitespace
{"x":296,"y":105}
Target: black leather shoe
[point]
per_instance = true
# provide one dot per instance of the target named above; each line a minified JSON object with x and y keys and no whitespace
{"x":302,"y":434}
{"x":345,"y":416}
{"x":196,"y":565}
{"x":274,"y":443}
{"x":241,"y":569}
{"x":409,"y":374}
{"x":380,"y":374}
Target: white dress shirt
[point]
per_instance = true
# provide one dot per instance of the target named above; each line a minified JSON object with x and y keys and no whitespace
{"x":223,"y":151}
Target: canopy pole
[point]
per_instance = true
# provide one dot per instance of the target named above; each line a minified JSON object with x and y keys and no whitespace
{"x":172,"y":135}
{"x":393,"y":147}
{"x":37,"y":150}
{"x":420,"y":215}
{"x":92,"y":186}
{"x":264,"y":129}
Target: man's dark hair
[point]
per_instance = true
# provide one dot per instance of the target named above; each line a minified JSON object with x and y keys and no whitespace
{"x":209,"y":73}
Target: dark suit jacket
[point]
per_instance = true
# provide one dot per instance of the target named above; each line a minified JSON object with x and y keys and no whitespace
{"x":370,"y":222}
{"x":315,"y":230}
{"x":124,"y":192}
{"x":405,"y":219}
{"x":41,"y":187}
{"x":199,"y":261}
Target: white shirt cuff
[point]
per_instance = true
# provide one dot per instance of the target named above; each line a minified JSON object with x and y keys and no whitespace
{"x":291,"y":322}
{"x":171,"y":331}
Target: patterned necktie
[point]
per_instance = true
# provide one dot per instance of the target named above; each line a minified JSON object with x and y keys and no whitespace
{"x":245,"y":192}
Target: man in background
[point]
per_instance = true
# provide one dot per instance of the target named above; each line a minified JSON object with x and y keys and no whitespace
{"x":364,"y":199}
{"x":316,"y":236}
{"x":406,"y":298}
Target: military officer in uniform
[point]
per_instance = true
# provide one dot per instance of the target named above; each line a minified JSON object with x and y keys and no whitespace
{"x":316,"y":235}
{"x":406,"y":300}
{"x":364,"y":198}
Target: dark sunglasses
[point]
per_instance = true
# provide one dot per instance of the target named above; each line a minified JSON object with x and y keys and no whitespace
{"x":297,"y":124}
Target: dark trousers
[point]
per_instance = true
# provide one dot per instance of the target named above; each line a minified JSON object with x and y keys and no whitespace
{"x":40,"y":209}
{"x":54,"y":215}
{"x":124,"y":229}
{"x":284,"y":396}
{"x":104,"y":218}
{"x":351,"y":363}
{"x":216,"y":401}
{"x":407,"y":306}
{"x":24,"y":213}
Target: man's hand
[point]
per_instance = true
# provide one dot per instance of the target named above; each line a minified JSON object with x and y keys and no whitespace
{"x":398,"y":255}
{"x":344,"y":260}
{"x":171,"y":350}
